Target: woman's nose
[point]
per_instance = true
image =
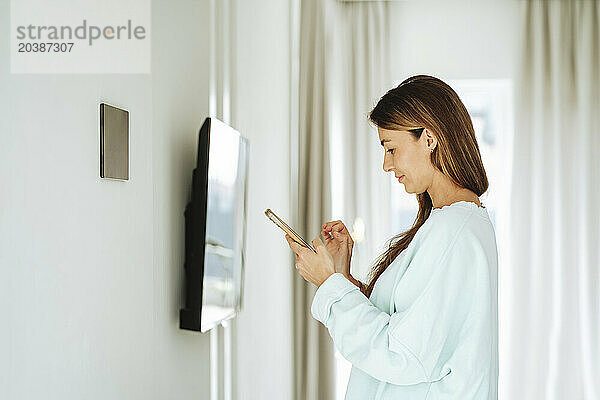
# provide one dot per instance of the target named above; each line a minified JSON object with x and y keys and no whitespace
{"x":387,"y":166}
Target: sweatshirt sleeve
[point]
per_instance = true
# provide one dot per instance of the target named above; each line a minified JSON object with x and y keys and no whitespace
{"x":409,"y":346}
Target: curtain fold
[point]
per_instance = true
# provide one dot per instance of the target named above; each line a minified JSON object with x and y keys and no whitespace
{"x":313,"y":348}
{"x":366,"y":187}
{"x":552,"y":349}
{"x":344,"y":70}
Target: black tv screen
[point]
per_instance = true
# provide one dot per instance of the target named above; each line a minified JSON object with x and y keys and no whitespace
{"x":215,"y":228}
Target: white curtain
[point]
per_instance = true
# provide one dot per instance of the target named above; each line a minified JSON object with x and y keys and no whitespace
{"x":552,"y":349}
{"x":343,"y":71}
{"x":360,"y":62}
{"x":314,"y":370}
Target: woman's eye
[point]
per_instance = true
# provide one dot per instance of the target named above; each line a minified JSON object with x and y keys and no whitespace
{"x":391,"y":151}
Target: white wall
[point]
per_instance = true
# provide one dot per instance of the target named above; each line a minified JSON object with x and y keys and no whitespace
{"x":91,"y":269}
{"x":455,"y":39}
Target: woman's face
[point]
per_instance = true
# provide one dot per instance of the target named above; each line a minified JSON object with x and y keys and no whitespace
{"x":405,"y":155}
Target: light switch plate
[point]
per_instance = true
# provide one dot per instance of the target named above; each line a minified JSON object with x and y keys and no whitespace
{"x":114,"y":142}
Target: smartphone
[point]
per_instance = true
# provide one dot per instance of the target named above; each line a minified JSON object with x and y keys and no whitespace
{"x":295,"y":237}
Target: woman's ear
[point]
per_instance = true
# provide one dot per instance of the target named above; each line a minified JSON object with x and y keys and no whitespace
{"x":430,"y":140}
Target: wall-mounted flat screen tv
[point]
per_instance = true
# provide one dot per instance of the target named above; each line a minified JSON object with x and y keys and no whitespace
{"x":215,"y":228}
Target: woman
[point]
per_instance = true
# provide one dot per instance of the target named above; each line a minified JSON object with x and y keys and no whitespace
{"x":425,"y":325}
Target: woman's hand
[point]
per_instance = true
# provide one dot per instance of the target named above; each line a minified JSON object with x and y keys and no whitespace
{"x":339,"y":243}
{"x":314,"y":268}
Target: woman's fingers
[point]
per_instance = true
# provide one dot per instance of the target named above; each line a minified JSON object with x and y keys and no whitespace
{"x":338,"y":231}
{"x":296,"y":248}
{"x":335,"y":226}
{"x":342,"y":238}
{"x":330,"y":223}
{"x":330,"y":233}
{"x":341,"y":229}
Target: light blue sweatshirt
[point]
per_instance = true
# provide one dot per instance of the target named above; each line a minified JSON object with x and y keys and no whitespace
{"x":429,"y":330}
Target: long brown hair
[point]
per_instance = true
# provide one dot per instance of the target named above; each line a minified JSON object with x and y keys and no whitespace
{"x":420,"y":102}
